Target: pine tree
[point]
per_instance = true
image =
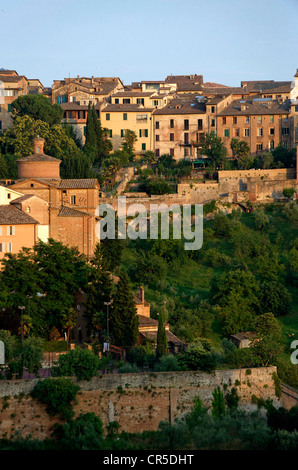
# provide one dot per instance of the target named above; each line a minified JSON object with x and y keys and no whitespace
{"x":123,"y":318}
{"x":161,"y":347}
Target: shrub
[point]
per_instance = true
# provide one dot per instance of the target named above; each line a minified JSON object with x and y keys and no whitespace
{"x":167,"y":363}
{"x":288,"y":192}
{"x":57,"y":394}
{"x":128,"y":369}
{"x":84,"y":364}
{"x":82,"y":433}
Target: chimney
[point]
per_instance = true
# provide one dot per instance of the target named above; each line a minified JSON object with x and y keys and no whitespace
{"x":38,"y":144}
{"x":141,"y":292}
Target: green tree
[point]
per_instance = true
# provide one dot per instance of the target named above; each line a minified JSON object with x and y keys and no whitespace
{"x":161,"y":340}
{"x":82,"y":433}
{"x":240,"y":148}
{"x":90,"y":147}
{"x":38,"y":107}
{"x":123,"y":315}
{"x":62,"y":271}
{"x":58,"y":395}
{"x":218,"y":403}
{"x":213,"y":147}
{"x":99,"y":291}
{"x":130,"y":137}
{"x":261,"y":219}
{"x":82,"y":363}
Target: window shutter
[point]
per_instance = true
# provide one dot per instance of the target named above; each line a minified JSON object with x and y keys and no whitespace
{"x":146,"y":132}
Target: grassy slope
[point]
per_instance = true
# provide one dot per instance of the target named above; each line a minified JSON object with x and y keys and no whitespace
{"x":190,"y":281}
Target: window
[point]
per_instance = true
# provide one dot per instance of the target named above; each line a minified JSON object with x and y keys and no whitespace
{"x":286,"y":119}
{"x":9,"y":108}
{"x":212,"y":109}
{"x":108,"y":117}
{"x":271,"y":119}
{"x":157,"y":152}
{"x":259,"y":147}
{"x":271,"y":131}
{"x":172,"y":137}
{"x":224,"y":120}
{"x":157,"y":125}
{"x":8,"y":195}
{"x":186,"y":138}
{"x":296,"y":109}
{"x":143,"y":132}
{"x":142,"y":117}
{"x":2,"y":247}
{"x":237,"y":132}
{"x":212,"y":133}
{"x":143,"y":146}
{"x":172,"y":152}
{"x":73,"y":199}
{"x":271,"y":145}
{"x":126,"y":100}
{"x":156,"y":102}
{"x":260,"y":132}
{"x":9,"y":247}
{"x":234,"y":120}
{"x":285,"y":131}
{"x":212,"y":122}
{"x":116,"y":100}
{"x":285,"y":144}
{"x":111,"y":133}
{"x":200,"y":124}
{"x":246,"y":132}
{"x":157,"y":138}
{"x":186,"y":152}
{"x":227,"y":133}
{"x":124,"y":116}
{"x":259,"y":119}
{"x":247,"y":120}
{"x":186,"y":124}
{"x":140,"y":101}
{"x":0,"y":122}
{"x":10,"y":230}
{"x":172,"y":123}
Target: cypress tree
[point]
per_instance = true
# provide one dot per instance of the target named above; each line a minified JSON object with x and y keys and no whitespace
{"x":90,"y":146}
{"x":162,"y":344}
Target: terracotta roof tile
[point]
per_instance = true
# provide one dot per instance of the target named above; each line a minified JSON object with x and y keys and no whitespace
{"x":38,"y":157}
{"x":70,"y":212}
{"x":10,"y":215}
{"x":79,"y":183}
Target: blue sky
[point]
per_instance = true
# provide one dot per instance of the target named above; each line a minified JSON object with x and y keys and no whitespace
{"x":224,"y":40}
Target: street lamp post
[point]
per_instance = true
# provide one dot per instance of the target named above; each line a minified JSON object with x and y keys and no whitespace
{"x":22,"y":326}
{"x":108,"y":345}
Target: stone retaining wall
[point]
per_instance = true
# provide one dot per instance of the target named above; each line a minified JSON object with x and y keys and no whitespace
{"x":137,"y":401}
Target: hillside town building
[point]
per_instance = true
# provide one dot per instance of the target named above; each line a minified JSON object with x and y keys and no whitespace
{"x":63,"y":209}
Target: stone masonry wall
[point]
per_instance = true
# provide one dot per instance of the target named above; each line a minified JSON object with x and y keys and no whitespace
{"x":137,"y":401}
